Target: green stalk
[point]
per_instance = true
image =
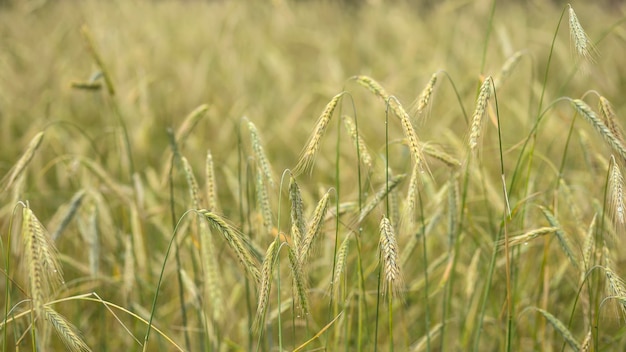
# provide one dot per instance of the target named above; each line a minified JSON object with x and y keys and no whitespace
{"x":181,"y":293}
{"x":425,"y":263}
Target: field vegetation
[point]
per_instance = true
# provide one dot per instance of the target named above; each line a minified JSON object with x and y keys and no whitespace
{"x":307,"y":175}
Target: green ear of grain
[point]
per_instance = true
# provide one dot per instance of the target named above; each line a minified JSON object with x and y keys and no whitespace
{"x":66,"y":331}
{"x":563,"y":238}
{"x":298,"y":222}
{"x":561,"y":328}
{"x":236,"y":243}
{"x":585,"y":111}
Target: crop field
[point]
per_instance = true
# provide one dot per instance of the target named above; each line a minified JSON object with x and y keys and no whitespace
{"x":312,"y":176}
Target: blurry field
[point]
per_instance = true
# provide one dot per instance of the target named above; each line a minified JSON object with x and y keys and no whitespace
{"x":117,"y":118}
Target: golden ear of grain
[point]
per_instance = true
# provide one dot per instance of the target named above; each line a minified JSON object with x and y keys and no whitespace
{"x":364,"y":154}
{"x":425,"y":95}
{"x":409,"y":132}
{"x":397,"y":108}
{"x":307,"y":159}
{"x":266,"y":278}
{"x":583,"y":45}
{"x":589,"y":245}
{"x":411,"y":195}
{"x":610,"y":118}
{"x":299,"y":281}
{"x":423,"y":343}
{"x":615,"y":286}
{"x":209,"y":264}
{"x":189,"y":123}
{"x":234,"y":241}
{"x":342,"y":255}
{"x":389,"y":254}
{"x":67,"y":332}
{"x":526,"y":237}
{"x":600,"y":127}
{"x":561,"y":328}
{"x":314,"y":228}
{"x":479,"y":112}
{"x":586,"y":345}
{"x":44,"y":270}
{"x":24,"y":160}
{"x":372,"y":86}
{"x":507,"y":69}
{"x":194,"y":190}
{"x":617,"y":207}
{"x":394,"y":208}
{"x":263,"y":202}
{"x":563,"y":238}
{"x":440,"y":155}
{"x":298,"y":222}
{"x":259,"y":152}
{"x":211,"y":193}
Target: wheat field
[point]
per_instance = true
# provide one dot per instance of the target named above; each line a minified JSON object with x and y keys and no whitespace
{"x":312,"y":175}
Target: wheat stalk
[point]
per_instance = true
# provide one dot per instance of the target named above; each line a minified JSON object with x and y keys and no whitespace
{"x":91,"y":46}
{"x":389,"y":254}
{"x":479,"y":112}
{"x":307,"y":159}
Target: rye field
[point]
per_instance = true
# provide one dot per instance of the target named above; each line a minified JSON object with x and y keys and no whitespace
{"x":312,"y":176}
